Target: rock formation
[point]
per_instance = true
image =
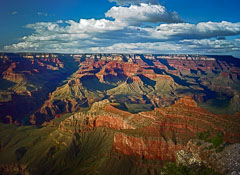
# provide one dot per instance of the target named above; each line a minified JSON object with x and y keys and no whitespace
{"x":154,"y":134}
{"x":200,"y":153}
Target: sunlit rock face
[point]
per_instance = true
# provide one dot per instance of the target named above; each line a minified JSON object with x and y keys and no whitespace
{"x":146,"y":148}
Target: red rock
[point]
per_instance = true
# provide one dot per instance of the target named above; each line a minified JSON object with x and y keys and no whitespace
{"x":145,"y":148}
{"x":116,"y":123}
{"x":187,"y":101}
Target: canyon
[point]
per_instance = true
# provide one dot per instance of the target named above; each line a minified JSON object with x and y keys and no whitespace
{"x":116,"y":113}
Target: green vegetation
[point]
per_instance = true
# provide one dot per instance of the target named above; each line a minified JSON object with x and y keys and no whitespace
{"x":173,"y":169}
{"x":217,"y":140}
{"x":135,"y":108}
{"x":47,"y":150}
{"x":203,"y":135}
{"x":37,"y":148}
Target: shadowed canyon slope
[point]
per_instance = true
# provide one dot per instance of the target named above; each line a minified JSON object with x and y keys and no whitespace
{"x":26,"y":81}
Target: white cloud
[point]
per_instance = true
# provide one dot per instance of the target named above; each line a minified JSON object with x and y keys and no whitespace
{"x":136,"y":14}
{"x":181,"y":31}
{"x":104,"y":35}
{"x":23,"y":45}
{"x":200,"y":30}
{"x":125,"y":33}
{"x":204,"y":46}
{"x":134,"y":2}
{"x":60,"y":21}
{"x":213,"y":46}
{"x":41,"y":27}
{"x":92,"y":25}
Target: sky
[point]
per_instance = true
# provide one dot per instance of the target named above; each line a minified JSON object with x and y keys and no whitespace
{"x":121,"y":26}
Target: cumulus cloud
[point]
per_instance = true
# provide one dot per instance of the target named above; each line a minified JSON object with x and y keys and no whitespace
{"x":134,"y":2}
{"x":200,"y":30}
{"x":204,"y":46}
{"x":93,"y":35}
{"x":41,"y":27}
{"x":213,"y":46}
{"x":68,"y":36}
{"x":92,"y":25}
{"x":136,"y":14}
{"x":131,"y":30}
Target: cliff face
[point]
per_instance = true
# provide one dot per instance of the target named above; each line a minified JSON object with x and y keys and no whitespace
{"x":146,"y":148}
{"x":102,"y":114}
{"x":22,"y":69}
{"x":156,"y":134}
{"x":111,"y":122}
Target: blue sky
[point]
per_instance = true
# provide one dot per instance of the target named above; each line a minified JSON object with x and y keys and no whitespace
{"x":136,"y":26}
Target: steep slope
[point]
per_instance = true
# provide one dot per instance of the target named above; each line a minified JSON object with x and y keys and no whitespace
{"x":28,"y":81}
{"x":108,"y":140}
{"x":150,"y":134}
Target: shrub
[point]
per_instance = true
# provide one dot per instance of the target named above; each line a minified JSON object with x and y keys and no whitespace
{"x":173,"y":169}
{"x":217,"y":140}
{"x":203,"y":135}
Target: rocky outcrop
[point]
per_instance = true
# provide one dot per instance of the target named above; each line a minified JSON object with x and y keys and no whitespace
{"x":196,"y":154}
{"x":235,"y":102}
{"x":186,"y":101}
{"x":101,"y":114}
{"x":201,"y":153}
{"x":227,"y":161}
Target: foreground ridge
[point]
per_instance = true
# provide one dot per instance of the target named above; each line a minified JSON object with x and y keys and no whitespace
{"x":107,"y":134}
